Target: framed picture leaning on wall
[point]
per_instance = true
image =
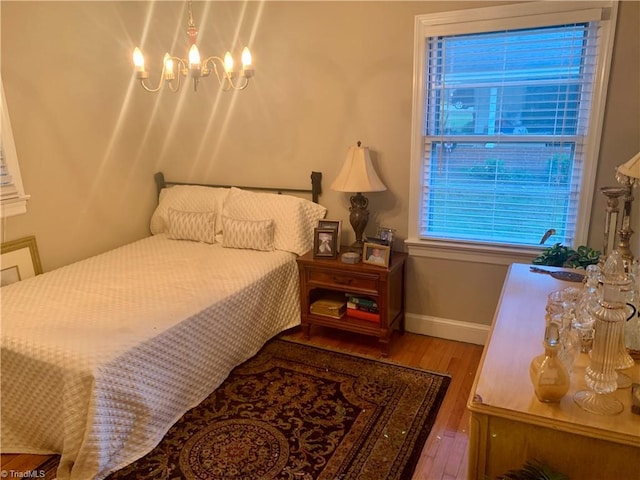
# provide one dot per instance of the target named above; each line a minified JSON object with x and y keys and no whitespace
{"x":385,"y":233}
{"x":20,"y":260}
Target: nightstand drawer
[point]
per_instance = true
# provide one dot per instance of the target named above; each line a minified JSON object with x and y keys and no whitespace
{"x":343,"y":280}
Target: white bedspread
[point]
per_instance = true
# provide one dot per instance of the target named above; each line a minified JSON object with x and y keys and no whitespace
{"x":101,"y":357}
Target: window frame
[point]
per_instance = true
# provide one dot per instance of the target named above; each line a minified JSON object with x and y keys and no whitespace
{"x":14,"y":205}
{"x":478,"y":20}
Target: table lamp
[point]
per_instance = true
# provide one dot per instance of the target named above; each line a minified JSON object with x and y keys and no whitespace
{"x":357,"y":176}
{"x":628,"y":175}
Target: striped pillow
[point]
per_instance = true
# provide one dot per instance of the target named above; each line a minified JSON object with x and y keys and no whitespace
{"x":250,"y":234}
{"x":196,"y":226}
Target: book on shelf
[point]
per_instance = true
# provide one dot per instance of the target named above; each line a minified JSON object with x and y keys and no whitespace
{"x":361,"y":300}
{"x":365,"y":308}
{"x":362,"y":315}
{"x":329,"y":306}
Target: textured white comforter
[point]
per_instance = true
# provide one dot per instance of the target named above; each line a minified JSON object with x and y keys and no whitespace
{"x":101,"y":357}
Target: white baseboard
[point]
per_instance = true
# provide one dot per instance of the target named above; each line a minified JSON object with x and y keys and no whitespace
{"x":444,"y":328}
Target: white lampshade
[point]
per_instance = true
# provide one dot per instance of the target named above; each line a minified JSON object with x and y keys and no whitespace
{"x":357,"y":174}
{"x":631,"y":168}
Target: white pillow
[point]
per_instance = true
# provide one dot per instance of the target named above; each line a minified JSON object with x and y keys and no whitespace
{"x":196,"y":226}
{"x":187,"y":198}
{"x":293,"y":218}
{"x":253,"y":234}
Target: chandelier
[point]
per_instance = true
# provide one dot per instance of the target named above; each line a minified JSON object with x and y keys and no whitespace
{"x":174,"y":68}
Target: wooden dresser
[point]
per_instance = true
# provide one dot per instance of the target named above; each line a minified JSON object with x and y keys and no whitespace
{"x":510,"y":426}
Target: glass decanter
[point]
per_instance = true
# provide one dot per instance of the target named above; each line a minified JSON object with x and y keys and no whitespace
{"x":588,"y":302}
{"x":561,"y":310}
{"x":548,"y":374}
{"x":600,"y":375}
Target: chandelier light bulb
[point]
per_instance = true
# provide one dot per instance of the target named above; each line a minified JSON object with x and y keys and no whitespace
{"x":168,"y":63}
{"x":138,"y":60}
{"x":194,"y":58}
{"x":228,"y":62}
{"x":247,"y":67}
{"x":168,"y":67}
{"x":246,"y":58}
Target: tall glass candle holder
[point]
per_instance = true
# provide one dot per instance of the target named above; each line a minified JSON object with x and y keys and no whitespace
{"x":610,"y":317}
{"x":613,"y":195}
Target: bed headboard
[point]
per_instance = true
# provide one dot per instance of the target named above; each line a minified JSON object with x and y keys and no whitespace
{"x":315,"y":190}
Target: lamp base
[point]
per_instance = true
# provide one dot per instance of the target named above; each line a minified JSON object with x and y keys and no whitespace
{"x":357,"y":247}
{"x":358,"y":219}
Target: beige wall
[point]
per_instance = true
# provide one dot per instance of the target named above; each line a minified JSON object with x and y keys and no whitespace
{"x":328,"y":74}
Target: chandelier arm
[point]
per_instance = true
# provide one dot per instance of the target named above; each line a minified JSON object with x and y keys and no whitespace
{"x":142,"y":76}
{"x":172,"y":88}
{"x":225,"y":79}
{"x":150,"y":89}
{"x":237,"y":85}
{"x":242,"y":86}
{"x":210,"y":64}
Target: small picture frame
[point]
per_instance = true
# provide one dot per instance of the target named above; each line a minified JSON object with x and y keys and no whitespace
{"x":19,"y":260}
{"x":385,"y":233}
{"x":325,"y":242}
{"x":376,"y":254}
{"x":337,"y":225}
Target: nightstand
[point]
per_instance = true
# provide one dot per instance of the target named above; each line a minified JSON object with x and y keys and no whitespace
{"x":320,"y":277}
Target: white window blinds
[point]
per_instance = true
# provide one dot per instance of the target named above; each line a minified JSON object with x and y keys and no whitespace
{"x":506,"y":126}
{"x":7,"y":188}
{"x":13,"y":200}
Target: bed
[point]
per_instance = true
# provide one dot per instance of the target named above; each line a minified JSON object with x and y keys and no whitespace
{"x":101,"y":357}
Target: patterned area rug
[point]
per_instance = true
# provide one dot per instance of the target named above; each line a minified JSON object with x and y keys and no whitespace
{"x":299,"y":412}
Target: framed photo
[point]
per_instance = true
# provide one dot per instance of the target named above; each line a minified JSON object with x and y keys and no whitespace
{"x":376,"y":254}
{"x":385,"y":233}
{"x":325,"y":242}
{"x":19,"y":260}
{"x":337,"y":224}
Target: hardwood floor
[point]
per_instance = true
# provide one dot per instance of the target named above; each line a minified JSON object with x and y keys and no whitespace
{"x":444,"y":456}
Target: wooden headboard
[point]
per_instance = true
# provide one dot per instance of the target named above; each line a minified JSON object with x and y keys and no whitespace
{"x":315,"y":190}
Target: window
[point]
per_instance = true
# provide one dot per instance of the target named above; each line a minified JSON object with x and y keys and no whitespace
{"x":13,"y":200}
{"x":506,"y":126}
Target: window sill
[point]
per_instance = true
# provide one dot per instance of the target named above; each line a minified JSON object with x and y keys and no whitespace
{"x":468,"y":252}
{"x":14,"y":206}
